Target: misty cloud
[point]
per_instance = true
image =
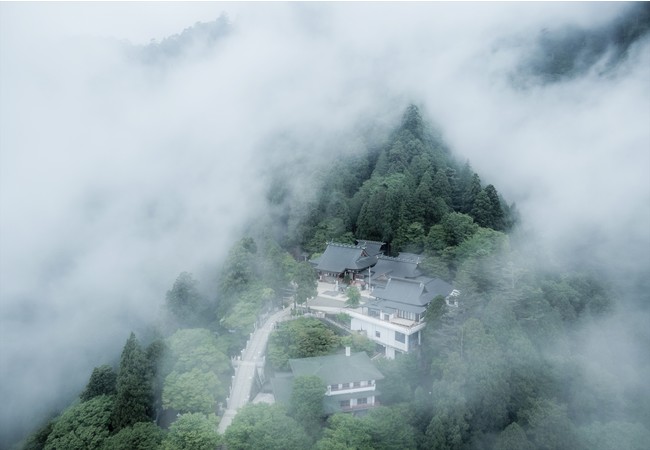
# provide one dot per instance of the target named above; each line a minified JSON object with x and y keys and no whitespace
{"x":116,"y":175}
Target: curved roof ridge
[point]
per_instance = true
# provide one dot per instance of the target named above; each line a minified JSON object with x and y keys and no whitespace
{"x":410,"y":280}
{"x":340,"y":244}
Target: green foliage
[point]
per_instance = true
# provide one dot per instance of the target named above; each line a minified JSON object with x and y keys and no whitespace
{"x":238,"y":272}
{"x":306,"y":285}
{"x":38,"y":439}
{"x":400,"y":379}
{"x":133,"y":401}
{"x":82,"y":427}
{"x":197,"y":348}
{"x":194,"y":431}
{"x":258,"y":426}
{"x":306,"y":404}
{"x":346,"y":432}
{"x":457,"y":228}
{"x":343,"y":318}
{"x":140,"y":436}
{"x":195,"y":363}
{"x":300,"y":338}
{"x":549,"y":427}
{"x":185,"y":302}
{"x":102,"y":382}
{"x":358,"y":343}
{"x":513,"y":437}
{"x":243,"y":314}
{"x":390,"y":428}
{"x":354,"y":297}
{"x":193,"y":391}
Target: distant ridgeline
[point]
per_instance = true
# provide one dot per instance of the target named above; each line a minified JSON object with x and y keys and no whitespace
{"x":405,"y":193}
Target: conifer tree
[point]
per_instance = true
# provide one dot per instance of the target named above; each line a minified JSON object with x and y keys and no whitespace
{"x":441,"y":186}
{"x":101,"y":382}
{"x":471,"y":192}
{"x":495,"y":206}
{"x":482,"y":210}
{"x":134,"y":387}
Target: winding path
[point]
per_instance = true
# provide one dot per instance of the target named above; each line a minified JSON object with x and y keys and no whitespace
{"x":245,"y":368}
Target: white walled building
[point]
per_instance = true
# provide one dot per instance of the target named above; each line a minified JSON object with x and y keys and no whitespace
{"x":395,"y":317}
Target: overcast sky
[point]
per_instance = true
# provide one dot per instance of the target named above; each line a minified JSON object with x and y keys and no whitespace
{"x":116,"y":175}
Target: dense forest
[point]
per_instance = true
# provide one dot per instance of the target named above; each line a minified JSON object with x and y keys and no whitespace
{"x":501,"y":371}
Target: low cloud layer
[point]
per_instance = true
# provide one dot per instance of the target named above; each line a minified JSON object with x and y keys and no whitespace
{"x":116,"y":175}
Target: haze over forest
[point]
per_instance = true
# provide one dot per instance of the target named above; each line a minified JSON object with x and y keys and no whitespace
{"x":132,"y":150}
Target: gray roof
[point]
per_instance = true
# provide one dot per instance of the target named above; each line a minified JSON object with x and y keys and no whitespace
{"x":373,"y":248}
{"x":417,"y":292}
{"x":282,"y":385}
{"x":338,"y":258}
{"x":334,"y":369}
{"x":410,"y":256}
{"x":388,"y":306}
{"x":396,"y":267}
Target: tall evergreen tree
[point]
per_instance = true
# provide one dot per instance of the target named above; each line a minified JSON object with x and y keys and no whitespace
{"x":424,"y":199}
{"x":471,"y":192}
{"x":482,"y":210}
{"x":495,"y":206}
{"x":441,"y":186}
{"x":101,"y":382}
{"x":134,"y":387}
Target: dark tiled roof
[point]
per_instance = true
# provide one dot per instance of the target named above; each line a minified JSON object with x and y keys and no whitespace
{"x":334,"y":369}
{"x":282,"y":385}
{"x":436,"y":286}
{"x":396,"y":267}
{"x":372,"y":247}
{"x":340,"y":257}
{"x":417,"y":292}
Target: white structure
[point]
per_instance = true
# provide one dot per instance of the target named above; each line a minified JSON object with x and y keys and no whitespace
{"x":350,"y":380}
{"x":395,"y":318}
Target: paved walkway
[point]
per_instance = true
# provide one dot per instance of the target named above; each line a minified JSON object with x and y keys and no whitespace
{"x":245,"y":369}
{"x":327,"y":301}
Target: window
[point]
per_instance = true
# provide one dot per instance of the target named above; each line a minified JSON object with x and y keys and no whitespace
{"x":356,"y":384}
{"x":400,"y":337}
{"x":373,"y":312}
{"x":406,"y":315}
{"x":377,"y":334}
{"x":335,"y":387}
{"x":345,"y":403}
{"x":362,"y":401}
{"x":345,"y":385}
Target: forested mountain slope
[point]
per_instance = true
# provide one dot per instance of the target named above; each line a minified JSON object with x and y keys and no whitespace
{"x":505,"y":369}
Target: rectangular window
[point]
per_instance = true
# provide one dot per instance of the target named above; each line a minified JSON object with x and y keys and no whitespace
{"x":362,"y":401}
{"x":373,"y":312}
{"x":335,"y":387}
{"x":377,"y":334}
{"x":400,"y":337}
{"x":345,"y":403}
{"x":345,"y":385}
{"x":406,"y":315}
{"x":356,"y":384}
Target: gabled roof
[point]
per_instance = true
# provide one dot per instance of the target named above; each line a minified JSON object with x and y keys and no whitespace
{"x":338,"y":258}
{"x":372,"y":247}
{"x":436,"y":286}
{"x":396,"y":267}
{"x":417,"y":292}
{"x":334,"y":369}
